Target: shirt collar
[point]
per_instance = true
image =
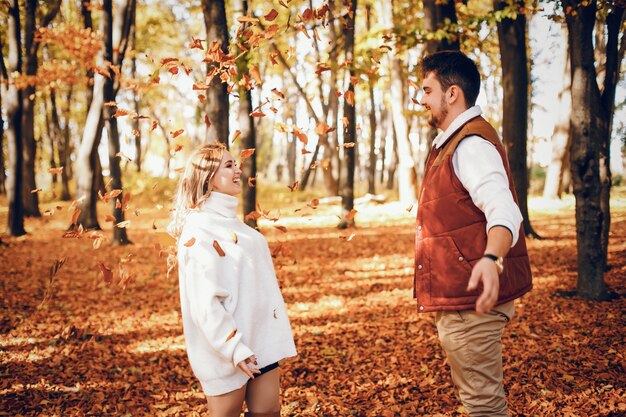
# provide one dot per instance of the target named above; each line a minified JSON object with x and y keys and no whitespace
{"x":460,"y":120}
{"x":221,"y":203}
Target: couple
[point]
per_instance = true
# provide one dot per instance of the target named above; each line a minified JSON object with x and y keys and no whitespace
{"x":470,"y":260}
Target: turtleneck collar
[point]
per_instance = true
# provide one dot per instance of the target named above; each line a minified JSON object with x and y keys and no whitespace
{"x":221,"y":203}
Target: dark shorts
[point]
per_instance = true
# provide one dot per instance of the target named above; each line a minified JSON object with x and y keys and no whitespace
{"x":268,"y":368}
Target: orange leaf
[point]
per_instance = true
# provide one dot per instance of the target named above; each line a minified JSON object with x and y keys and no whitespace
{"x":106,"y":273}
{"x":254,"y":72}
{"x":57,"y":171}
{"x":168,"y":60}
{"x":294,"y":187}
{"x":173,"y":70}
{"x":257,"y":114}
{"x":231,"y":335}
{"x":351,"y":215}
{"x":218,"y":248}
{"x":177,"y":133}
{"x":202,"y":98}
{"x":115,"y":193}
{"x":271,"y":15}
{"x":314,"y":203}
{"x":123,"y":224}
{"x":322,"y":128}
{"x":75,"y":216}
{"x":251,"y":182}
{"x":207,"y":122}
{"x":278,"y":93}
{"x":235,"y":136}
{"x":154,"y":125}
{"x":121,"y":112}
{"x":36,"y":190}
{"x":281,"y":228}
{"x":244,"y":19}
{"x":200,"y":86}
{"x":109,"y":219}
{"x":246,"y":153}
{"x":349,"y":97}
{"x":253,"y":215}
{"x":190,"y":242}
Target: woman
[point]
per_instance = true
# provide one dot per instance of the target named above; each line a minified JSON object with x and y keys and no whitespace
{"x":234,"y":317}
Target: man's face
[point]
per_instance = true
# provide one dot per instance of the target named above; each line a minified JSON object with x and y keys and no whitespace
{"x":433,"y":99}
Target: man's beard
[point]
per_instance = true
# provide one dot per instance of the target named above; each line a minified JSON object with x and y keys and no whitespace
{"x":437,"y":120}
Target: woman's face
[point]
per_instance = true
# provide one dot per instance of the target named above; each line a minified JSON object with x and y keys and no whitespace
{"x":227,"y":179}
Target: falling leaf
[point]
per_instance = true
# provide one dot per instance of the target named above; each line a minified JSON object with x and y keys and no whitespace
{"x":409,"y":208}
{"x":218,"y":248}
{"x":190,"y":242}
{"x":349,"y":97}
{"x":278,"y":93}
{"x":281,"y":228}
{"x":114,"y":193}
{"x":303,"y":151}
{"x":247,"y":19}
{"x":235,"y":136}
{"x":251,"y":182}
{"x":123,"y":156}
{"x":207,"y":122}
{"x":173,"y":70}
{"x":271,"y":15}
{"x":153,"y":126}
{"x":231,"y":335}
{"x":275,"y":316}
{"x":202,"y":98}
{"x":246,"y":153}
{"x":109,"y":219}
{"x":294,"y":186}
{"x":234,"y":238}
{"x":200,"y":86}
{"x":56,"y":171}
{"x":177,"y":133}
{"x":253,"y":215}
{"x":35,"y":191}
{"x":154,"y":225}
{"x":254,"y":72}
{"x":314,"y":203}
{"x":107,"y":274}
{"x":75,"y":216}
{"x":257,"y":114}
{"x":121,"y":112}
{"x":351,"y":214}
{"x":322,"y":128}
{"x":123,"y":224}
{"x":348,"y":145}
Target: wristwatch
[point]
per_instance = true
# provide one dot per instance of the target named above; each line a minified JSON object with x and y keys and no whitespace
{"x":497,"y":259}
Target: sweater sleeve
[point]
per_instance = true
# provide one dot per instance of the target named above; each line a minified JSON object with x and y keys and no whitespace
{"x":479,"y":167}
{"x":204,"y":273}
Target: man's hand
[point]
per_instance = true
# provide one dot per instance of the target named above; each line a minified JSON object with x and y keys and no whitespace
{"x":249,"y":366}
{"x":486,"y":271}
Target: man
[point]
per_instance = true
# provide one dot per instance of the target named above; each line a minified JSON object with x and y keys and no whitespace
{"x":470,"y":256}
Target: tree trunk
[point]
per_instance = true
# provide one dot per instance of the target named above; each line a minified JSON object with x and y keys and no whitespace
{"x":119,"y":233}
{"x":15,"y":226}
{"x":136,"y":127}
{"x":371,"y":170}
{"x":512,"y":39}
{"x":384,"y":117}
{"x":52,"y":139}
{"x":31,"y":200}
{"x":393,"y":164}
{"x":560,"y":137}
{"x":3,"y":79}
{"x":589,"y":127}
{"x":62,"y":146}
{"x":85,"y":11}
{"x":217,"y":93}
{"x":614,"y":57}
{"x":437,"y":16}
{"x":246,"y":125}
{"x":349,"y":112}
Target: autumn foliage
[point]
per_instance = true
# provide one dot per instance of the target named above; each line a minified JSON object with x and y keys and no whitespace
{"x":97,"y":331}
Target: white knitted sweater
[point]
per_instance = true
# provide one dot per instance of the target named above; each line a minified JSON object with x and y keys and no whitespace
{"x":236,"y":292}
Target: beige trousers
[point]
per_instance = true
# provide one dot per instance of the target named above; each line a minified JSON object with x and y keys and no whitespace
{"x":473,"y":344}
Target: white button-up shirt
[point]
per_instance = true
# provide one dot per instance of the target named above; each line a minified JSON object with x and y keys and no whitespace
{"x":479,"y":167}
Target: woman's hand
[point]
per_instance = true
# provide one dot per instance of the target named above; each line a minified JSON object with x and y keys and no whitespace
{"x":249,"y":366}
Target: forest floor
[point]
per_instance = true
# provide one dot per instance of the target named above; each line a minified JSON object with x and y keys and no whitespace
{"x":71,"y":344}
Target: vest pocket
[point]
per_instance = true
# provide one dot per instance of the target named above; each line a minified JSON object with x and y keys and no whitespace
{"x":449,"y":270}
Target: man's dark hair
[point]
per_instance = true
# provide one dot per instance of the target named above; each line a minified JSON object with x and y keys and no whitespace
{"x":454,"y":68}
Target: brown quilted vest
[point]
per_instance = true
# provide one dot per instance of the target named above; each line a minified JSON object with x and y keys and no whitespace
{"x":451,"y":233}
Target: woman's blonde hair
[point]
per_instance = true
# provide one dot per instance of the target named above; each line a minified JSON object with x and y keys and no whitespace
{"x":194,"y":186}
